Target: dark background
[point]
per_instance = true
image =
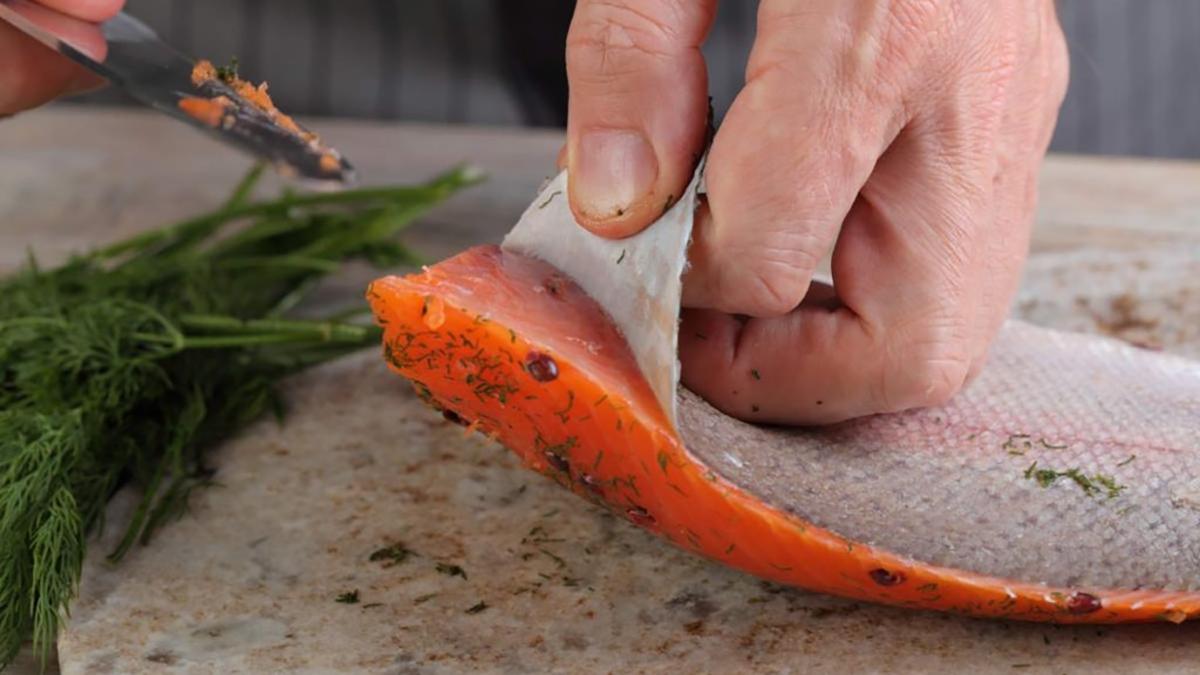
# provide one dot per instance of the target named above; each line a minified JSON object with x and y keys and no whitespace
{"x":1135,"y":85}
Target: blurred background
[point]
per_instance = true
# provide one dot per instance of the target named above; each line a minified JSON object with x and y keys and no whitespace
{"x":1134,"y":83}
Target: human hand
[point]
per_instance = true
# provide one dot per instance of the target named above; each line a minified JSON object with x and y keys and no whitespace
{"x":905,"y":135}
{"x":31,"y":74}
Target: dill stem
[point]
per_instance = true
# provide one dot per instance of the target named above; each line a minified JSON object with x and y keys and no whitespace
{"x":139,"y":516}
{"x":440,"y":187}
{"x":231,"y":332}
{"x":228,"y":341}
{"x":294,"y":297}
{"x":327,"y":331}
{"x":287,"y":262}
{"x":246,"y":187}
{"x":32,"y":321}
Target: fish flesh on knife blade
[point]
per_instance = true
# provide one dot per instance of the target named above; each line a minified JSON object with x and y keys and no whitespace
{"x":1060,"y":486}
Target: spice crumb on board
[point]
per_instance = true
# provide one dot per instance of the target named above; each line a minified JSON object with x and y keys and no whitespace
{"x":451,"y":570}
{"x":391,"y":555}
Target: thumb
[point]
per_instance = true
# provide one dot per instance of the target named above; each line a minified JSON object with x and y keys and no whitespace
{"x":638,"y":108}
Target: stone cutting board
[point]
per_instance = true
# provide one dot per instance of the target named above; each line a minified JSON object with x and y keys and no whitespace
{"x":462,"y":560}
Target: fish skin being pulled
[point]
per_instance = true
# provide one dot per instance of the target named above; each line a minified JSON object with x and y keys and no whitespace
{"x":1072,"y":461}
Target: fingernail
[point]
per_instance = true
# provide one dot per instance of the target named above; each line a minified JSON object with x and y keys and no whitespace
{"x":614,"y":169}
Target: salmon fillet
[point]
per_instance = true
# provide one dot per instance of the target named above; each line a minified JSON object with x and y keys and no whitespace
{"x":1061,"y":486}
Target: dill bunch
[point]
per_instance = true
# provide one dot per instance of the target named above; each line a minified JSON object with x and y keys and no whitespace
{"x":124,"y":365}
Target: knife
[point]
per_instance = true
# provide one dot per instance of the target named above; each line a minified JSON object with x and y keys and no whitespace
{"x":129,"y":54}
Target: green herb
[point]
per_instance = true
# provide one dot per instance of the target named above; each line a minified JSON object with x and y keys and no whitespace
{"x":229,"y":73}
{"x":1018,"y":444}
{"x":451,"y":570}
{"x":477,"y":608}
{"x":391,"y":555}
{"x":1043,"y":477}
{"x":1091,"y":485}
{"x":1111,"y":487}
{"x":755,"y":374}
{"x":348,"y":598}
{"x":1127,"y":461}
{"x":122,"y":366}
{"x":564,"y":414}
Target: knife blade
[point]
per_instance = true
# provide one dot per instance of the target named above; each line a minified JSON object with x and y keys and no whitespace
{"x":129,"y":54}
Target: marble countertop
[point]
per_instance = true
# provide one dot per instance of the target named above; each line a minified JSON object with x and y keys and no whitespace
{"x":461,"y":560}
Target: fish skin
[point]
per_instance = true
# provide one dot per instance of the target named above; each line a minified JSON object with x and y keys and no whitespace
{"x":1149,"y":298}
{"x":952,"y":486}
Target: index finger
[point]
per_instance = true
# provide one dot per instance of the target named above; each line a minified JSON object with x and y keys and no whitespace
{"x":88,"y":10}
{"x":32,"y":74}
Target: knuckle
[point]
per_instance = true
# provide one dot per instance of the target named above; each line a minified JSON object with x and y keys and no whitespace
{"x":776,"y":274}
{"x":775,"y":290}
{"x":612,"y":38}
{"x":1058,"y":69}
{"x":1048,"y":56}
{"x":927,"y":369}
{"x":941,"y":379}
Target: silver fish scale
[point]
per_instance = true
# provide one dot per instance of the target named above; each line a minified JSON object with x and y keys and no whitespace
{"x":952,"y":486}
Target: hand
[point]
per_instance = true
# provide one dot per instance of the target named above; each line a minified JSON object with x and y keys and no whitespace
{"x":31,"y":74}
{"x":905,"y":135}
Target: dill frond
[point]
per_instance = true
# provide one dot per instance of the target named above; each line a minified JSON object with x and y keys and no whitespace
{"x":122,"y":366}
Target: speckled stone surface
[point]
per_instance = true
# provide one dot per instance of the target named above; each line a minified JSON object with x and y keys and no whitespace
{"x":249,"y":581}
